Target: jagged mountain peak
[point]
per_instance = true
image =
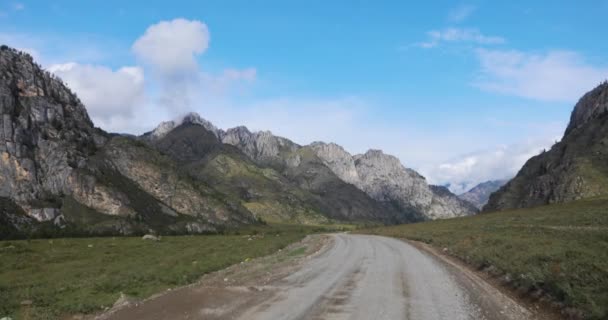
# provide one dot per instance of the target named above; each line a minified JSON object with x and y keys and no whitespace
{"x":239,"y":129}
{"x":590,"y":106}
{"x":190,"y":118}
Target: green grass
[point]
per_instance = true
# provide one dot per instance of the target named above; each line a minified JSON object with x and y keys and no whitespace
{"x":70,"y":276}
{"x":560,"y":249}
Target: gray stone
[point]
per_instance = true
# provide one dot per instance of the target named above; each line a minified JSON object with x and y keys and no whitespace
{"x":44,"y":214}
{"x":150,"y":237}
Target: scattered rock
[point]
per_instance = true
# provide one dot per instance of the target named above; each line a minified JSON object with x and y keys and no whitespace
{"x":150,"y":237}
{"x":123,"y":301}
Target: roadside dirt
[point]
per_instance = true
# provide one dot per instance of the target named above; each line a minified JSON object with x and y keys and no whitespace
{"x":489,"y":289}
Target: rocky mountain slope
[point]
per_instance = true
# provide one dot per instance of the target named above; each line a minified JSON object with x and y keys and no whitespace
{"x":385,"y":179}
{"x":62,"y":171}
{"x":479,"y":194}
{"x":272,"y":189}
{"x":574,"y":168}
{"x":401,"y":193}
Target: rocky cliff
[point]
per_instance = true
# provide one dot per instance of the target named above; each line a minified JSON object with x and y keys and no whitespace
{"x":480,"y":194}
{"x":574,"y":168}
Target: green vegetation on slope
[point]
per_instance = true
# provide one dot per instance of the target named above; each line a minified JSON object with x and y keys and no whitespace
{"x":559,"y":249}
{"x":68,"y":276}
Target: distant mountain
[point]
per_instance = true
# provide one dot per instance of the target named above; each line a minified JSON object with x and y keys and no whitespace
{"x":479,"y":195}
{"x":310,"y":195}
{"x":574,"y":168}
{"x":338,"y":178}
{"x":385,"y":179}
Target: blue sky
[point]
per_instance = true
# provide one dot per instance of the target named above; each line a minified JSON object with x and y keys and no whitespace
{"x":461,"y":91}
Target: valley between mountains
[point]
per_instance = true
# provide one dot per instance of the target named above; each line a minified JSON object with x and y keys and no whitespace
{"x":249,"y":225}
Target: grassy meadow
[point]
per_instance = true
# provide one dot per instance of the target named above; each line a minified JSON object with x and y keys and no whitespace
{"x":52,"y":278}
{"x":558,"y":249}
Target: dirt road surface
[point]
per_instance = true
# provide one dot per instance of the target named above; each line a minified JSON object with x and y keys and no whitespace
{"x":336,"y":277}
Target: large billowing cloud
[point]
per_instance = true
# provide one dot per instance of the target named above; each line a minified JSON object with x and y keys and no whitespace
{"x":551,"y":76}
{"x":171,"y":47}
{"x":111,"y":96}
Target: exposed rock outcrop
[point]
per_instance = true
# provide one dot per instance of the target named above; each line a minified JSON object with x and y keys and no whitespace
{"x":45,"y":133}
{"x":192,"y":118}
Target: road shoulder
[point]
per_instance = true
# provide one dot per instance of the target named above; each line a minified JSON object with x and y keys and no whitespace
{"x":491,"y":290}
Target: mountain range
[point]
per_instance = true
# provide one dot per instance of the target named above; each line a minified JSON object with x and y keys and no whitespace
{"x":62,"y":175}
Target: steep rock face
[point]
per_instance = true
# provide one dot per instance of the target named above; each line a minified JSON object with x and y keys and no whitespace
{"x":591,"y":106}
{"x":479,"y":195}
{"x":574,"y":168}
{"x":45,"y":132}
{"x":263,"y":146}
{"x":386,"y":179}
{"x":338,"y":160}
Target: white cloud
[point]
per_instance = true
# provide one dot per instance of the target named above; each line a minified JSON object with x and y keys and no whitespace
{"x":111,"y":96}
{"x":465,"y":172}
{"x":551,"y":76}
{"x":171,"y":47}
{"x":453,"y":35}
{"x":461,"y":13}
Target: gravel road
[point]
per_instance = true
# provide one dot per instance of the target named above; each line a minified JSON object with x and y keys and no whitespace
{"x":350,"y":277}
